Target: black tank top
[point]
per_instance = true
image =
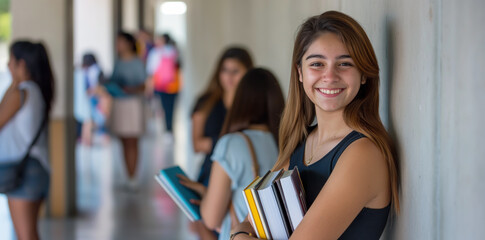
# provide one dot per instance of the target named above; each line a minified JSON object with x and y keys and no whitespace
{"x":370,"y":223}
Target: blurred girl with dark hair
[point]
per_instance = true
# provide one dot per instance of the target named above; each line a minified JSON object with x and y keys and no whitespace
{"x":211,"y":107}
{"x":24,"y":115}
{"x":127,"y":85}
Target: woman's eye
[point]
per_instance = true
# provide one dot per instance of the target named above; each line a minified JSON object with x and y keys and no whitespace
{"x":316,"y":64}
{"x":346,"y":64}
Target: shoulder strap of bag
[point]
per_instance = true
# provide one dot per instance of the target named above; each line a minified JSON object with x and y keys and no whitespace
{"x":232,"y":212}
{"x":253,"y":154}
{"x":37,"y":135}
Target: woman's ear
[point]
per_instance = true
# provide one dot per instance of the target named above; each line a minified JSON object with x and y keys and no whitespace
{"x":364,"y":80}
{"x":22,"y":66}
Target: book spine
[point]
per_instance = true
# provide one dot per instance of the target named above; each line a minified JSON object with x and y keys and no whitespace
{"x":281,"y":208}
{"x":272,"y":213}
{"x":261,"y":213}
{"x":280,"y":198}
{"x":300,"y":190}
{"x":253,"y":213}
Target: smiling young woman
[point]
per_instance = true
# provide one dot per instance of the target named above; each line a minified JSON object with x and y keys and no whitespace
{"x":346,"y":160}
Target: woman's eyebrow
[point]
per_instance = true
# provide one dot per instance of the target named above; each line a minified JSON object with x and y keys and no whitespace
{"x":315,"y":56}
{"x":344,"y":56}
{"x":324,"y":57}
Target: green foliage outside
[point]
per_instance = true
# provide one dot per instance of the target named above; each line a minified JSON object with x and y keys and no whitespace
{"x":4,"y":6}
{"x":5,"y":20}
{"x":5,"y":24}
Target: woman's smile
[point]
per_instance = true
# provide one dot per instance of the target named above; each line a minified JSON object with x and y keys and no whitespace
{"x":330,"y":92}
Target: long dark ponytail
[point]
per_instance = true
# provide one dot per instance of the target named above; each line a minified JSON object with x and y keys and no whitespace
{"x":38,"y":66}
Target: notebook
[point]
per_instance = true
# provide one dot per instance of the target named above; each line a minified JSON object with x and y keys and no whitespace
{"x":180,"y":194}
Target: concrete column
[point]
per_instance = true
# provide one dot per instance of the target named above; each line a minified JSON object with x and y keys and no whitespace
{"x":129,"y":11}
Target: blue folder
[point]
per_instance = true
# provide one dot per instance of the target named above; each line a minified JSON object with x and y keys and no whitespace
{"x":114,"y":89}
{"x":180,"y":194}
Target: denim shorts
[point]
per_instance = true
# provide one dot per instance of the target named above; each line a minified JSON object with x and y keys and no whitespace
{"x":34,"y":185}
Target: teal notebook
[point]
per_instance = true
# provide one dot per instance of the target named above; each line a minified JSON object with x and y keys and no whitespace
{"x":114,"y":89}
{"x":181,"y":195}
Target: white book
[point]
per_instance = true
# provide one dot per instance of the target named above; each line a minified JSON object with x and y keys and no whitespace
{"x":269,"y":203}
{"x":293,"y":195}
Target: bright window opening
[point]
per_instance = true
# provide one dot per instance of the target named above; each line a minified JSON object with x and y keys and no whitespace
{"x":173,"y":8}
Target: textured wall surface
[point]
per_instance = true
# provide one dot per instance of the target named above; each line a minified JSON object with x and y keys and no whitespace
{"x":460,"y":164}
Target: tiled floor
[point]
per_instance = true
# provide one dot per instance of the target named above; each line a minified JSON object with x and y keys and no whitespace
{"x":107,"y":209}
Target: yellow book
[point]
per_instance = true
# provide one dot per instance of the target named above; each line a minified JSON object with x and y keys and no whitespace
{"x":253,"y":211}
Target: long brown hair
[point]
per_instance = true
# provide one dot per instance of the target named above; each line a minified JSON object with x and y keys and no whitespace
{"x":258,"y":100}
{"x":362,"y":114}
{"x":213,"y":93}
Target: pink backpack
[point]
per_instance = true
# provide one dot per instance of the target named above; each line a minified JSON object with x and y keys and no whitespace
{"x":166,"y":75}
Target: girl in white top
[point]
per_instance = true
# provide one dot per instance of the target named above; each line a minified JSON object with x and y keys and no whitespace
{"x":256,"y":110}
{"x":22,"y":110}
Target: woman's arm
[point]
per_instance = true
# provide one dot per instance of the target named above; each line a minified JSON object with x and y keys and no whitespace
{"x":360,"y":179}
{"x":10,"y":105}
{"x":246,"y":227}
{"x":215,"y":204}
{"x":201,"y":143}
{"x":149,"y":86}
{"x":134,"y":89}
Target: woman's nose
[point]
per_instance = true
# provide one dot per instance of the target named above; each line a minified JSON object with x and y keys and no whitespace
{"x":330,"y":74}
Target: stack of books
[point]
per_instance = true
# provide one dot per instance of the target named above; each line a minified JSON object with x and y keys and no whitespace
{"x":180,"y":194}
{"x":276,"y":203}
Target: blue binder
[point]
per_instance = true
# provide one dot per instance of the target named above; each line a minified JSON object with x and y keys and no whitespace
{"x":180,"y":194}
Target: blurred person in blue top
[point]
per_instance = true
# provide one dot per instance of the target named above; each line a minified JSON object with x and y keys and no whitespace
{"x":127,"y":86}
{"x":91,"y":103}
{"x":24,"y":107}
{"x":255,"y":112}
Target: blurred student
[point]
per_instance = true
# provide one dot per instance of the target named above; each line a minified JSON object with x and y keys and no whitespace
{"x":24,"y":115}
{"x":346,"y":160}
{"x":211,"y":108}
{"x":163,"y":69}
{"x":127,"y":85}
{"x":91,"y":103}
{"x":144,"y":43}
{"x":251,"y":127}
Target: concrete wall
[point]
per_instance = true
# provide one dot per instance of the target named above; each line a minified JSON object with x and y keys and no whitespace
{"x":460,"y":163}
{"x":432,"y":67}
